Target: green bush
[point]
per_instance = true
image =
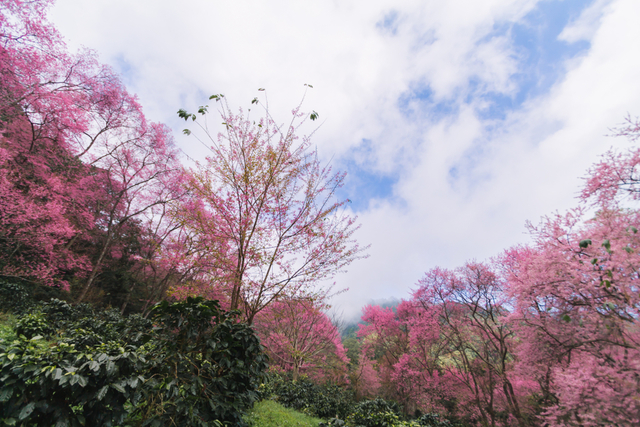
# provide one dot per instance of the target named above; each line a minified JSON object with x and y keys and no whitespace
{"x":34,"y":324}
{"x":433,"y":420}
{"x":59,"y":385}
{"x":14,"y":298}
{"x":207,"y":366}
{"x":198,"y":366}
{"x":374,"y":413}
{"x":19,"y":296}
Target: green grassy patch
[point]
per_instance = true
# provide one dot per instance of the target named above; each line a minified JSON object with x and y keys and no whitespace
{"x":271,"y":414}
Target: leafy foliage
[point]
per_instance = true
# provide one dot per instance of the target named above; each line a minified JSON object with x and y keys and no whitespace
{"x":433,"y":420}
{"x":33,"y":324}
{"x":198,"y":366}
{"x":43,"y":385}
{"x":207,"y":365}
{"x":375,"y":413}
{"x":14,"y":298}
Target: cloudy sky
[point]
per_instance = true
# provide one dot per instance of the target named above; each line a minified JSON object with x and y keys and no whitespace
{"x":456,"y":121}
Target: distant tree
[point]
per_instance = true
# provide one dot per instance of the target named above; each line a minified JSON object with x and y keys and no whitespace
{"x":300,"y":338}
{"x":477,"y":342}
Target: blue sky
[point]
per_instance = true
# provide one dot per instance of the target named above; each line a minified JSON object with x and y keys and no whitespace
{"x":456,"y":121}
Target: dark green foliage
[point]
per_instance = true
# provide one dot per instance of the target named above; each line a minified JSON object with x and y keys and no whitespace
{"x":14,"y":298}
{"x":34,"y":324}
{"x":374,"y":413}
{"x":81,"y":325}
{"x":58,"y":385}
{"x":333,"y":422}
{"x":19,"y":296}
{"x":197,"y":367}
{"x":207,"y":366}
{"x":324,"y":401}
{"x":433,"y":420}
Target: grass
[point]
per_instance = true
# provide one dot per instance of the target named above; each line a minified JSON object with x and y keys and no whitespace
{"x":271,"y":414}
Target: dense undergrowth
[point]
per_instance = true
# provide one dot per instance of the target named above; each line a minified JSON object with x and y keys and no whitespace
{"x":189,"y":364}
{"x":338,"y":406}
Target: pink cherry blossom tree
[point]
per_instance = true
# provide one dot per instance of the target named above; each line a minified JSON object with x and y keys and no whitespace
{"x":479,"y":342}
{"x":44,"y":190}
{"x":264,"y":210}
{"x":577,"y":299}
{"x":80,"y":167}
{"x":577,"y":310}
{"x":301,"y":339}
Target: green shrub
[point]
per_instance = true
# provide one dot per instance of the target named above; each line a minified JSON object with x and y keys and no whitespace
{"x":198,"y":367}
{"x":14,"y":298}
{"x":34,"y":324}
{"x":207,"y":366}
{"x":59,"y":385}
{"x":333,"y":422}
{"x":433,"y":420}
{"x":374,"y":413}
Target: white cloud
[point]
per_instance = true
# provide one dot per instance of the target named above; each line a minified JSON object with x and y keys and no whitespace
{"x":586,"y":25}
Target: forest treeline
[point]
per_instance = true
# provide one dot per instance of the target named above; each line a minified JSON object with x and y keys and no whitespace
{"x":152,"y":264}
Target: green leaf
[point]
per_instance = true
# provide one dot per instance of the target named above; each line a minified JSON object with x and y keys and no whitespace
{"x":57,"y":374}
{"x":314,"y":115}
{"x":184,"y":115}
{"x":584,"y":243}
{"x":566,"y":318}
{"x":111,"y":367}
{"x":5,"y":393}
{"x":10,"y":421}
{"x":118,"y":387}
{"x":102,"y":393}
{"x":186,"y":131}
{"x":607,"y":245}
{"x":83,"y":381}
{"x":26,"y":411}
{"x":133,"y":382}
{"x":254,"y":101}
{"x":628,"y":249}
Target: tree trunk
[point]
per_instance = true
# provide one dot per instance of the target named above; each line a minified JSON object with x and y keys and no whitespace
{"x":96,"y":267}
